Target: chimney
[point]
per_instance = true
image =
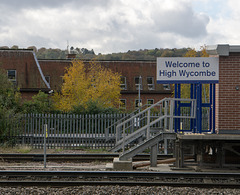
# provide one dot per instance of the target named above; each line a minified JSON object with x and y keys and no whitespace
{"x":71,"y":56}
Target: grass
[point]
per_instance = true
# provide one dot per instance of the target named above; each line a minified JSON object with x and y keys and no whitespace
{"x":101,"y":150}
{"x":24,"y":149}
{"x":58,"y":150}
{"x":18,"y":149}
{"x":91,"y":150}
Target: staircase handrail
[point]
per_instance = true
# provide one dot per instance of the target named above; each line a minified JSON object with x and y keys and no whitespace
{"x":122,"y":119}
{"x":139,"y":113}
{"x":152,"y":106}
{"x":141,"y":129}
{"x":192,"y":115}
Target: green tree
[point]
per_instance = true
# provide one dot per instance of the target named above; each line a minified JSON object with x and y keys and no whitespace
{"x":40,"y":103}
{"x":167,"y":53}
{"x":9,"y":107}
{"x":14,"y":47}
{"x":33,"y":48}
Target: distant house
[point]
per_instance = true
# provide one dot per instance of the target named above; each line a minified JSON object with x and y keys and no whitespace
{"x":24,"y":71}
{"x":32,"y":75}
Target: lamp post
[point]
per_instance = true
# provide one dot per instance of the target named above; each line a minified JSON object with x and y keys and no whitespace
{"x":139,"y":90}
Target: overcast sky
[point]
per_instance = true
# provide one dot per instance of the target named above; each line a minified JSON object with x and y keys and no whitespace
{"x":108,"y":26}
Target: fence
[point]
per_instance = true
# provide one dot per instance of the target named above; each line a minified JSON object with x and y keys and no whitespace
{"x":66,"y":131}
{"x":9,"y":128}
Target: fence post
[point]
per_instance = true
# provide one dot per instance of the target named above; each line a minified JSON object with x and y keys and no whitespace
{"x":166,"y":114}
{"x":117,"y":133}
{"x":123,"y":147}
{"x":148,"y":124}
{"x":31,"y":130}
{"x":45,"y":148}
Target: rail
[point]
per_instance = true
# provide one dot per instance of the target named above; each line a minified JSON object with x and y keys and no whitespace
{"x":138,"y":178}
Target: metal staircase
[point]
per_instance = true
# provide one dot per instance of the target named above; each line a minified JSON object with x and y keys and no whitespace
{"x":149,"y":127}
{"x":146,"y":144}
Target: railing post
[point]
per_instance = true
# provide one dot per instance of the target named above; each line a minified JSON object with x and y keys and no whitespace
{"x":123,"y":146}
{"x":165,"y":146}
{"x":117,"y":133}
{"x":165,"y":113}
{"x":148,"y":124}
{"x":171,"y":115}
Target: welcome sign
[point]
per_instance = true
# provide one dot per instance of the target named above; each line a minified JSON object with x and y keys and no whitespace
{"x":187,"y":70}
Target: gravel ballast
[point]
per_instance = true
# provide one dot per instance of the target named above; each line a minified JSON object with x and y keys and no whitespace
{"x":123,"y":190}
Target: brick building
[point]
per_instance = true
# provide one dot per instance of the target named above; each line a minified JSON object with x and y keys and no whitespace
{"x":150,"y":92}
{"x":227,"y":91}
{"x":24,"y":71}
{"x":32,"y":75}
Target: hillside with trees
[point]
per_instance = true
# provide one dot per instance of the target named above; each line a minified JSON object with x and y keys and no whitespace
{"x":84,"y":53}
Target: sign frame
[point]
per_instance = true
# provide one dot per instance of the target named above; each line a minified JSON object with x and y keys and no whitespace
{"x":177,"y":70}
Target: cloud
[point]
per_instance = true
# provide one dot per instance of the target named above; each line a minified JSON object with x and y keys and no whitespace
{"x":36,"y":4}
{"x":106,"y":26}
{"x":224,"y":29}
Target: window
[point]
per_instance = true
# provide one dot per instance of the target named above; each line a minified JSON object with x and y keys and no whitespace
{"x":47,"y":79}
{"x":123,"y":83}
{"x":150,"y":101}
{"x":123,"y":104}
{"x":137,"y":104}
{"x":150,"y":83}
{"x":166,"y":86}
{"x":138,"y":82}
{"x":12,"y":75}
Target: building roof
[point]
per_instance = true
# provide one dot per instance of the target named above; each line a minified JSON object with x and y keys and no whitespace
{"x":222,"y":49}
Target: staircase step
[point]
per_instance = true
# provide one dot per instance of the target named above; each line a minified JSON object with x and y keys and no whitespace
{"x":146,"y":144}
{"x":134,"y":136}
{"x":119,"y":144}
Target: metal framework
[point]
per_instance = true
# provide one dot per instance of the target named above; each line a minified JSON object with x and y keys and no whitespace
{"x":144,"y":130}
{"x":205,"y":112}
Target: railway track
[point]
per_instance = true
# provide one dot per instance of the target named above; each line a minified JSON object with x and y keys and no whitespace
{"x":73,"y":157}
{"x":78,"y":178}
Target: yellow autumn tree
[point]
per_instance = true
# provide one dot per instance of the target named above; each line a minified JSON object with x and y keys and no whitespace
{"x":84,"y":83}
{"x":191,"y":53}
{"x":185,"y":88}
{"x":205,"y":90}
{"x":204,"y":51}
